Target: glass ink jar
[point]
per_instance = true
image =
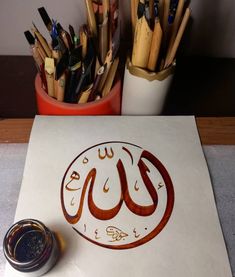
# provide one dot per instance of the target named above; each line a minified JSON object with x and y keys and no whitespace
{"x":30,"y":247}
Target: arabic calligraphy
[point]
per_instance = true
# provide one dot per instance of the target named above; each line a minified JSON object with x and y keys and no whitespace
{"x":113,"y":159}
{"x":135,"y":233}
{"x":74,"y":176}
{"x":129,"y":153}
{"x":115,"y":233}
{"x":160,"y":185}
{"x":106,"y":154}
{"x":85,"y":160}
{"x":105,"y":188}
{"x":96,"y":234}
{"x":135,"y":186}
{"x":72,"y":202}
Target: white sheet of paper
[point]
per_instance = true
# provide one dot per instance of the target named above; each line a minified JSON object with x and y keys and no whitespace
{"x":149,"y":172}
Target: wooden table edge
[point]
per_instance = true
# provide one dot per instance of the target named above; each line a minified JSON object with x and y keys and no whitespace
{"x":212,"y":130}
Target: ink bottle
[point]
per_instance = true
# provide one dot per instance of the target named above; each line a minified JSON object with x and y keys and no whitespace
{"x":30,"y":247}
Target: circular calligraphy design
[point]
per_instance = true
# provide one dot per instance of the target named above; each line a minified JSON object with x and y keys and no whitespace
{"x":117,"y":195}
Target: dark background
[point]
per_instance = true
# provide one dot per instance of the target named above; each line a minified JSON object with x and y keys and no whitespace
{"x":202,"y":86}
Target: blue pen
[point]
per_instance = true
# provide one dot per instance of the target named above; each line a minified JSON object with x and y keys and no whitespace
{"x":172,"y":11}
{"x":54,"y":31}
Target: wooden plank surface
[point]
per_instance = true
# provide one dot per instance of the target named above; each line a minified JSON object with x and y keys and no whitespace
{"x":212,"y":130}
{"x":216,"y":130}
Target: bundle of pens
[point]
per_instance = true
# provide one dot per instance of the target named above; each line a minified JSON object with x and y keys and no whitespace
{"x":158,"y":26}
{"x":78,"y":68}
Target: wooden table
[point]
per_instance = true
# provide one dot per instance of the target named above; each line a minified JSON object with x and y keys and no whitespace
{"x":212,"y":130}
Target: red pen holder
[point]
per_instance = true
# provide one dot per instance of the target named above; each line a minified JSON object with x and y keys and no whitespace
{"x":108,"y":105}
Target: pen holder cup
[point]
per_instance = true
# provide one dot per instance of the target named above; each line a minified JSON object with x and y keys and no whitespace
{"x":144,"y":92}
{"x":109,"y":105}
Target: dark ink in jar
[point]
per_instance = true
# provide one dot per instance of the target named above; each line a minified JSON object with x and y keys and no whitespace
{"x":30,"y":247}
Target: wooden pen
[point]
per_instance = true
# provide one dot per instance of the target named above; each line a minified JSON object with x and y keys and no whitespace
{"x":134,"y":5}
{"x":37,"y":57}
{"x":171,"y":56}
{"x":83,"y":40}
{"x":109,"y":80}
{"x":176,"y":24}
{"x":155,"y":46}
{"x":105,"y":4}
{"x":42,"y":41}
{"x":142,"y":43}
{"x":103,"y":39}
{"x":85,"y":95}
{"x":91,"y":18}
{"x":50,"y":71}
{"x":40,"y":49}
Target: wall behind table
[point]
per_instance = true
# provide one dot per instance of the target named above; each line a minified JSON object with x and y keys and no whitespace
{"x":17,"y":16}
{"x":212,"y":32}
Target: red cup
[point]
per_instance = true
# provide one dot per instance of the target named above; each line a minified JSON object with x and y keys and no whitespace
{"x":109,"y":105}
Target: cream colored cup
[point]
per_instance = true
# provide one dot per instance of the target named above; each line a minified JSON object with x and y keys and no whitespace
{"x":144,"y":92}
